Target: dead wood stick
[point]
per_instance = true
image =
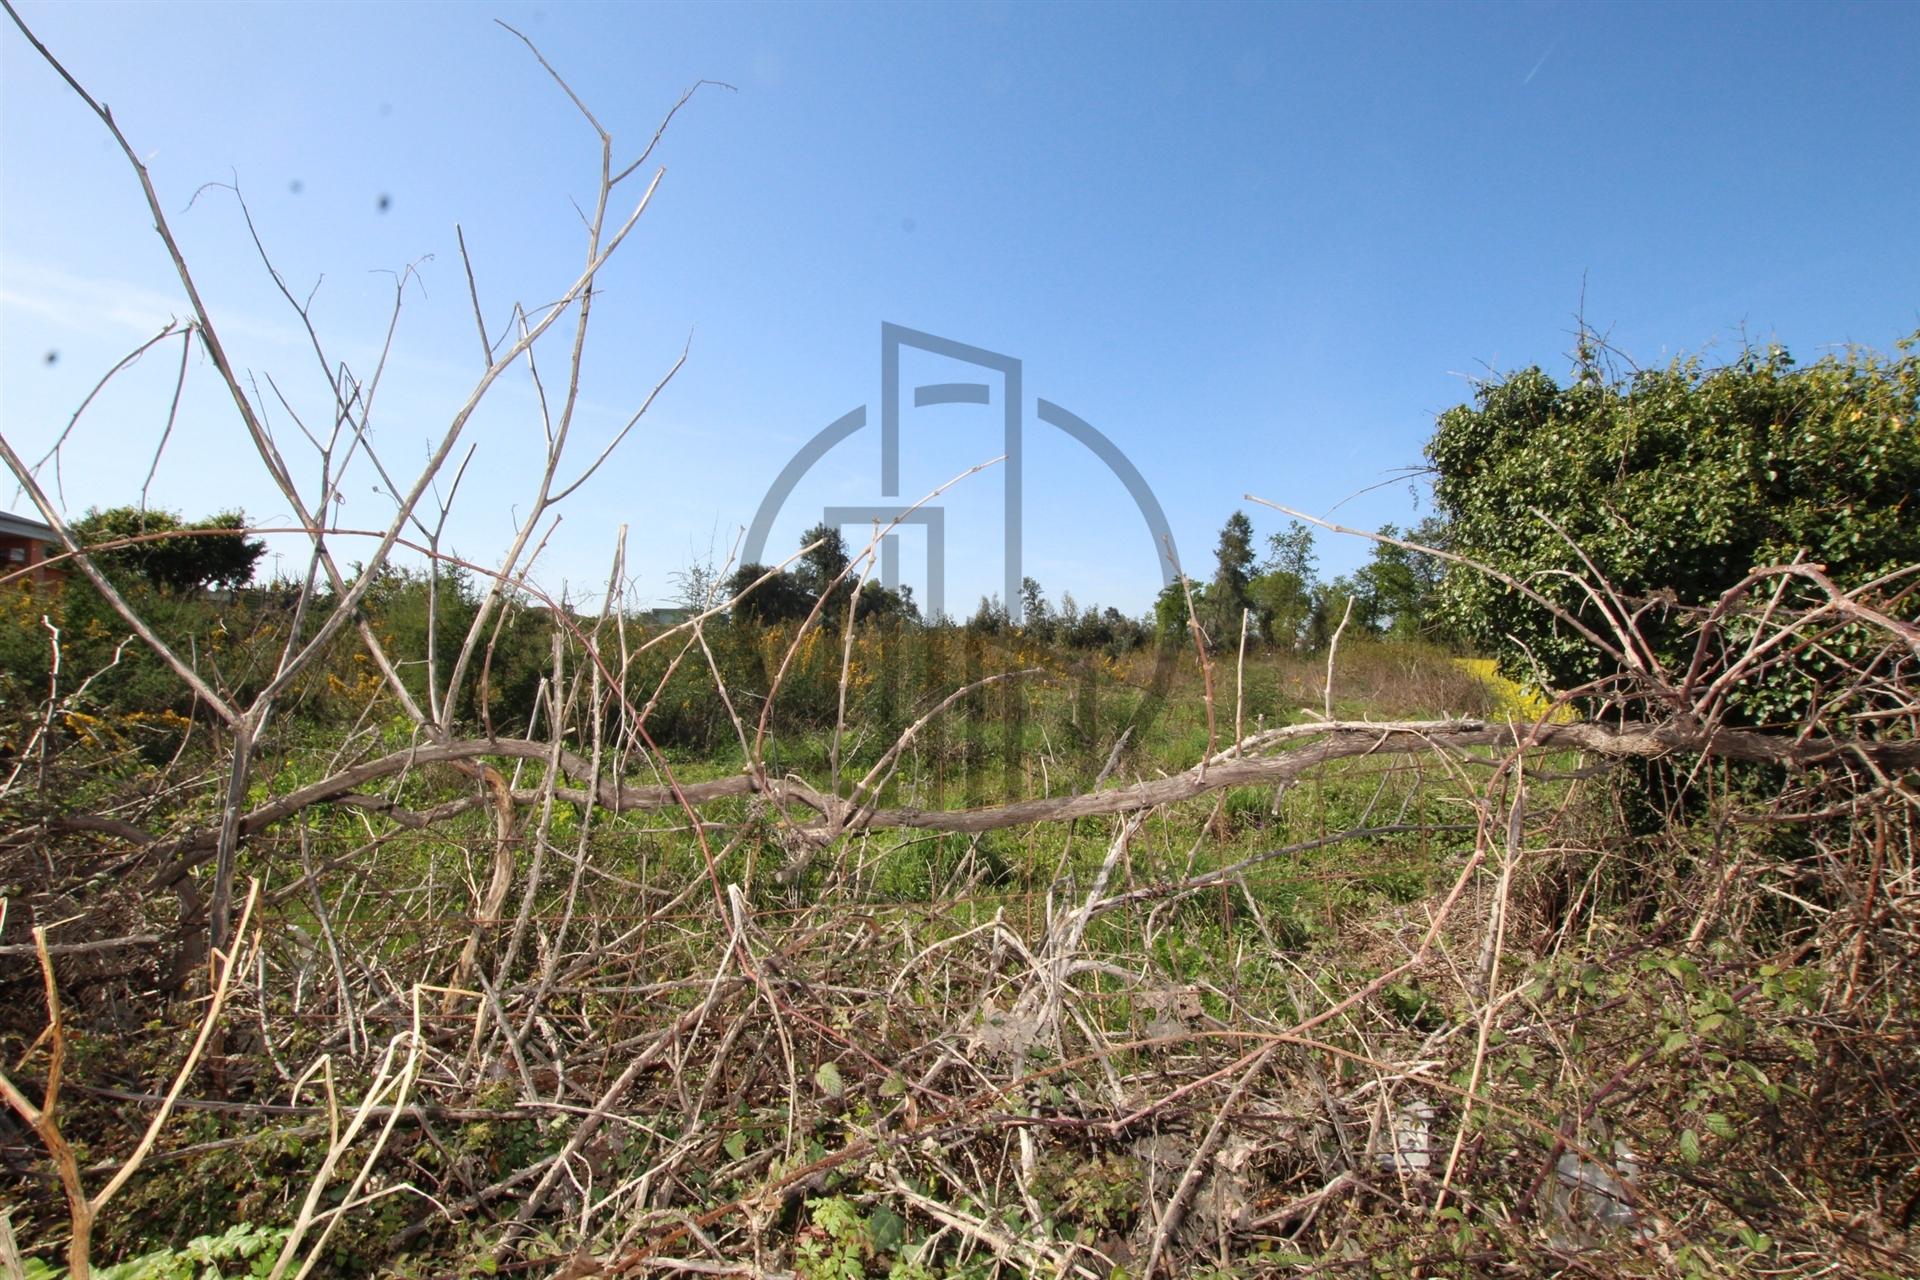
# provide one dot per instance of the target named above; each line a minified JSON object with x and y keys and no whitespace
{"x":1336,"y":740}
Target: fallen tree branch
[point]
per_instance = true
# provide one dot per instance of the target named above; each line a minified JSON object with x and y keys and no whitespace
{"x":83,"y":948}
{"x":1338,"y":740}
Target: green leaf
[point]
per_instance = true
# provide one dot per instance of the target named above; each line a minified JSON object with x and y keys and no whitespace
{"x":889,"y":1229}
{"x":1719,"y":1126}
{"x":1690,"y":1146}
{"x":827,"y":1076}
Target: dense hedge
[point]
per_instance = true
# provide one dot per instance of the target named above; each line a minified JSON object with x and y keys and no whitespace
{"x":1675,"y":483}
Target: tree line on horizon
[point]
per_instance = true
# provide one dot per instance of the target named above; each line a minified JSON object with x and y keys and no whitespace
{"x":1673,"y":482}
{"x":1286,"y":604}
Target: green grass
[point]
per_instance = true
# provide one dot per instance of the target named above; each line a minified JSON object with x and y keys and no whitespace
{"x":897,"y":953}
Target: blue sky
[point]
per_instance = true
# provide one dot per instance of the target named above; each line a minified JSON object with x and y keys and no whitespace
{"x":1258,"y":247}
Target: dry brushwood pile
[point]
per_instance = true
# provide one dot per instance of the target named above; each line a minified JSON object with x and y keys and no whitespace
{"x":314,"y":963}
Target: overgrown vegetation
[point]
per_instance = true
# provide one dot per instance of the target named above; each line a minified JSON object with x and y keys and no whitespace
{"x":414,"y":923}
{"x":160,"y":549}
{"x":1675,"y":485}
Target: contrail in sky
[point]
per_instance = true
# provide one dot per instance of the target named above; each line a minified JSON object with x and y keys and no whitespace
{"x":1543,"y":62}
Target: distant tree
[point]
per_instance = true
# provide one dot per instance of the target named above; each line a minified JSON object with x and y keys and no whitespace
{"x":823,"y":565}
{"x":1282,"y":603}
{"x":877,"y":601}
{"x":780,"y":598}
{"x":1429,"y":573}
{"x":1282,"y":592}
{"x":990,"y":618}
{"x":1401,"y":587}
{"x":1083,"y":629}
{"x":214,"y":552}
{"x":1127,"y":633}
{"x":1036,"y":618}
{"x":1226,"y":596}
{"x":697,"y":586}
{"x":1390,"y":589}
{"x":1330,"y":601}
{"x":1291,"y":551}
{"x":1170,"y":610}
{"x":822,"y":571}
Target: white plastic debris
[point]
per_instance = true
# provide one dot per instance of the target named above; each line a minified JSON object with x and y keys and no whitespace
{"x":1409,"y":1147}
{"x":1593,"y":1199}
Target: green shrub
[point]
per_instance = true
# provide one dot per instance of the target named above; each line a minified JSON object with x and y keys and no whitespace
{"x":1675,"y":482}
{"x":242,"y":1250}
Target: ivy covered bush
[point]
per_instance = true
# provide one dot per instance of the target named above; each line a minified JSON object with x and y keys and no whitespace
{"x":1676,"y":483}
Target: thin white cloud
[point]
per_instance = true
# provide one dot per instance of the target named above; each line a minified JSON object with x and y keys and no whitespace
{"x":115,"y":309}
{"x":1543,"y":62}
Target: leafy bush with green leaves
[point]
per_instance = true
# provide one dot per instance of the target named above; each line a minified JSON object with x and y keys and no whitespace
{"x":1675,"y":483}
{"x":242,"y":1250}
{"x":169,"y":552}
